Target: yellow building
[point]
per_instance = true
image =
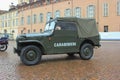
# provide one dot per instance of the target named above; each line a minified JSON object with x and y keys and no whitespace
{"x":9,"y":23}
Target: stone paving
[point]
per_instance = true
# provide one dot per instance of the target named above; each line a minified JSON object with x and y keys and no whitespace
{"x":105,"y":65}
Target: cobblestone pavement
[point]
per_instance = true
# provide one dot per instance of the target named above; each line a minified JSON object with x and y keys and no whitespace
{"x":105,"y":65}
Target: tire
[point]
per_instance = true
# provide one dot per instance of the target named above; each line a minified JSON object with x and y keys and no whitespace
{"x":86,"y":51}
{"x":30,"y":55}
{"x":3,"y":47}
{"x":70,"y":54}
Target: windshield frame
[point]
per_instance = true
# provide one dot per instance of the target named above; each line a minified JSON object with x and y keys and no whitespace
{"x":50,"y":26}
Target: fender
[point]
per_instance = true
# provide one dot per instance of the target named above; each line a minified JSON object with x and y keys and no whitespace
{"x":33,"y":41}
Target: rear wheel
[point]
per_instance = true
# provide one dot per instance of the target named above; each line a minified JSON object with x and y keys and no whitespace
{"x":30,"y":55}
{"x":86,"y":51}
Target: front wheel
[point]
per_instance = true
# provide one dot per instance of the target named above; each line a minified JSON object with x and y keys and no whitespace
{"x":86,"y":51}
{"x":3,"y":47}
{"x":30,"y":55}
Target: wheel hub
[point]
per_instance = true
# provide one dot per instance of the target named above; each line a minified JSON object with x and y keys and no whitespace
{"x":86,"y":51}
{"x":31,"y":55}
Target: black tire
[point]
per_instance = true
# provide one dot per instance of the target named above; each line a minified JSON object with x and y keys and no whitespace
{"x":3,"y":47}
{"x":86,"y":51}
{"x":70,"y":54}
{"x":30,"y":55}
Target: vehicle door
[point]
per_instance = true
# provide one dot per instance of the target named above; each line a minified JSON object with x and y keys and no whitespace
{"x":65,"y":37}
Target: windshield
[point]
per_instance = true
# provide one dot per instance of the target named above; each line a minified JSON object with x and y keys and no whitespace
{"x":50,"y":26}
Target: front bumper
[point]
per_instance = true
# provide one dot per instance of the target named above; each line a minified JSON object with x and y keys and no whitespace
{"x":16,"y":51}
{"x":99,"y":45}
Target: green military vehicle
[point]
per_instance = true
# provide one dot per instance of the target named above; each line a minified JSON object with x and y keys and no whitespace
{"x":68,"y":35}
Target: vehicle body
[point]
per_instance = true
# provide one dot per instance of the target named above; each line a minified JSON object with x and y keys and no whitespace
{"x":3,"y":43}
{"x":75,"y":36}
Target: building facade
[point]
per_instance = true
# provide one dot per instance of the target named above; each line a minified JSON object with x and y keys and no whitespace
{"x":106,"y":13}
{"x":33,"y":15}
{"x":9,"y":23}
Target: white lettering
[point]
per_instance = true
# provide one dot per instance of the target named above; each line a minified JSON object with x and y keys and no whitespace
{"x":65,"y":44}
{"x":55,"y":45}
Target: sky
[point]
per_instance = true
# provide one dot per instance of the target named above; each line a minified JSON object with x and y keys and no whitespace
{"x":4,"y":4}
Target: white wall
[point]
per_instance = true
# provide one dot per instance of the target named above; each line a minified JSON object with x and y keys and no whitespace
{"x":110,"y":35}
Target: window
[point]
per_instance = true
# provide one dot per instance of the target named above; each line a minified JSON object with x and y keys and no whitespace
{"x":13,"y":22}
{"x":2,"y":24}
{"x":105,"y":28}
{"x":78,"y":12}
{"x":40,"y":30}
{"x":48,"y":1}
{"x":28,"y":31}
{"x":41,"y":17}
{"x":50,"y":26}
{"x":5,"y":24}
{"x":34,"y":19}
{"x":0,"y":17}
{"x":118,"y":8}
{"x":13,"y":31}
{"x":57,"y":13}
{"x":67,"y":13}
{"x":9,"y":15}
{"x":67,"y":26}
{"x":17,"y":14}
{"x":3,"y":17}
{"x":35,"y":5}
{"x":56,"y":0}
{"x":49,"y":14}
{"x":34,"y":30}
{"x":9,"y":23}
{"x":91,"y":11}
{"x":21,"y":31}
{"x":5,"y":31}
{"x":22,"y":20}
{"x":16,"y":22}
{"x":105,"y":9}
{"x":28,"y":20}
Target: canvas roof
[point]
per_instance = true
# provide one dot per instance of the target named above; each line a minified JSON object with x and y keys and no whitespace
{"x":86,"y":27}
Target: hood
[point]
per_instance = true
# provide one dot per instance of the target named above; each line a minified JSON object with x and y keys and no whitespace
{"x":36,"y":34}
